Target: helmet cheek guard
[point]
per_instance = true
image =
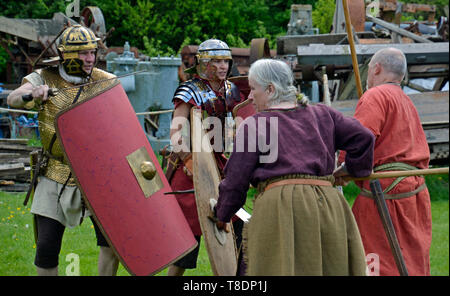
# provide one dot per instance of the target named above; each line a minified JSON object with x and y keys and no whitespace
{"x":73,"y":65}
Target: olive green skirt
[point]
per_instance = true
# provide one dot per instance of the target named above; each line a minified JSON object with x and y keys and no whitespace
{"x":303,"y":230}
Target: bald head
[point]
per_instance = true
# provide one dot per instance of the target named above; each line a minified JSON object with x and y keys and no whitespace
{"x":386,"y":65}
{"x":392,"y":60}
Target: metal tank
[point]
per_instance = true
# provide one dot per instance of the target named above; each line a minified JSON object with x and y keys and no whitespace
{"x":149,"y":92}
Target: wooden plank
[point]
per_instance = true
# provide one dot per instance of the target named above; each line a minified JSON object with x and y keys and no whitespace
{"x":439,"y":155}
{"x":24,"y":160}
{"x":11,"y":169}
{"x":431,"y":106}
{"x":14,"y":141}
{"x":16,"y":187}
{"x":288,"y":44}
{"x":11,"y":166}
{"x":433,"y":109}
{"x":4,"y":156}
{"x":18,"y":28}
{"x":17,"y":175}
{"x":437,"y":135}
{"x":14,"y":158}
{"x":16,"y":147}
{"x":416,"y":53}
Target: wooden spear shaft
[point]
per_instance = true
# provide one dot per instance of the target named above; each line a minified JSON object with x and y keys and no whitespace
{"x":395,"y":174}
{"x":348,"y":26}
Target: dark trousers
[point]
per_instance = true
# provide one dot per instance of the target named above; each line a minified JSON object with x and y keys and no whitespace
{"x":49,"y":238}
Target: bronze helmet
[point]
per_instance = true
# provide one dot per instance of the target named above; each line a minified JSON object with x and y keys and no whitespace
{"x":208,"y":50}
{"x":74,"y":39}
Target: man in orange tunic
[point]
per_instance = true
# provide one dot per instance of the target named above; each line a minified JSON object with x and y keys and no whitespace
{"x":400,"y":145}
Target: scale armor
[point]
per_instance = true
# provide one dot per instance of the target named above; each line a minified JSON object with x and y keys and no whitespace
{"x":57,"y":168}
{"x":203,"y":96}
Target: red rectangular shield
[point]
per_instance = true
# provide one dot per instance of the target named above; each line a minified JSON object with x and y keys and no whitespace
{"x":105,"y":145}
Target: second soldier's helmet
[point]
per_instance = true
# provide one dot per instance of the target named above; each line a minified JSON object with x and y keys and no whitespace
{"x":208,"y":50}
{"x":74,"y":39}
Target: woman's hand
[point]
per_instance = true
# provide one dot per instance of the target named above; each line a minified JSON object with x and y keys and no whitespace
{"x":341,"y":176}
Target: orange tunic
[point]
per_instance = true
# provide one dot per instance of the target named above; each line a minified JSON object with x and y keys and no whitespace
{"x":390,"y":114}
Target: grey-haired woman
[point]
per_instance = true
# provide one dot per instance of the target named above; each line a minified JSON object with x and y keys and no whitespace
{"x":301,"y":224}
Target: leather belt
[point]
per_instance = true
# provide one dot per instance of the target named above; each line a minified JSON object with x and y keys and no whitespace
{"x":397,"y":195}
{"x":297,"y":182}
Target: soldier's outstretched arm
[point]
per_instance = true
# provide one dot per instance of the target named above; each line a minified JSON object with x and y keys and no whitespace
{"x":39,"y":94}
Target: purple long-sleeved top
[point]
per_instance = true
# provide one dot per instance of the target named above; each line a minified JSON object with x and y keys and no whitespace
{"x":301,"y":140}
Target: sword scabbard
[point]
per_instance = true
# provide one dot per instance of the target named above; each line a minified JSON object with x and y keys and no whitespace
{"x":36,"y":162}
{"x":388,"y":226}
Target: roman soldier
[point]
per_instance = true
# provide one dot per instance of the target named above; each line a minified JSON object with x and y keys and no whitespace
{"x":57,"y":201}
{"x":209,"y":90}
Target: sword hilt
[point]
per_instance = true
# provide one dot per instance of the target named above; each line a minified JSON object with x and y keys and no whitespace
{"x":29,"y":97}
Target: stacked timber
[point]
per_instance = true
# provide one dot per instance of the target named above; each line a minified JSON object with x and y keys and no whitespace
{"x":15,"y":164}
{"x":433,"y":109}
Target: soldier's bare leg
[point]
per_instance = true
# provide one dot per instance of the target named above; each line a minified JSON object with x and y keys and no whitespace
{"x":175,"y":271}
{"x":108,"y":263}
{"x":47,"y":271}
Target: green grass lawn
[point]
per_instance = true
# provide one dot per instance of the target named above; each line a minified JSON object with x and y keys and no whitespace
{"x":17,"y":247}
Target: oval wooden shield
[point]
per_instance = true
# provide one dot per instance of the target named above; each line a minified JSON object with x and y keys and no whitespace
{"x":206,"y":179}
{"x":105,"y":146}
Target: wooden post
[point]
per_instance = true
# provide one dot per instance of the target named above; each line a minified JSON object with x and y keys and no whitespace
{"x":348,"y":26}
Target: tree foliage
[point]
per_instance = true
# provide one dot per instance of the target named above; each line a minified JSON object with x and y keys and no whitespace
{"x":163,"y":26}
{"x":323,"y":15}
